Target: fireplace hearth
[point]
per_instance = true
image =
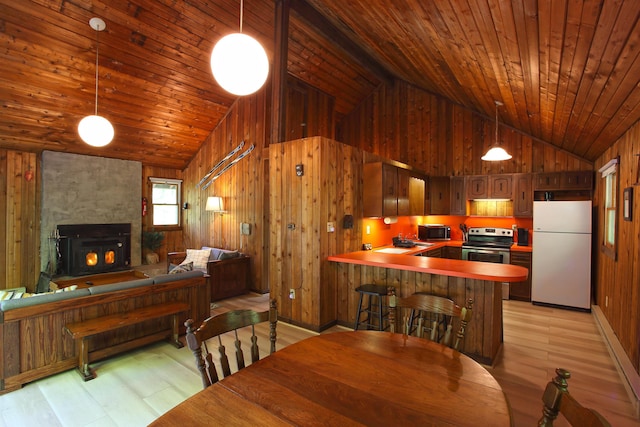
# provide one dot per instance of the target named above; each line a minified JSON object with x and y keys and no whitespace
{"x":93,"y":248}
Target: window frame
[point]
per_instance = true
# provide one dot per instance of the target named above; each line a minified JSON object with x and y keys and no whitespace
{"x":170,"y":181}
{"x":610,"y":202}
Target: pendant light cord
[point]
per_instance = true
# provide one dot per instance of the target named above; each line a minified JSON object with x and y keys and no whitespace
{"x":241,"y":13}
{"x":97,"y":52}
{"x":496,"y":124}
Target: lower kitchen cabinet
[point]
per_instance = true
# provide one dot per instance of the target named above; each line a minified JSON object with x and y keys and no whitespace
{"x":451,"y":252}
{"x":434,"y":253}
{"x":521,"y":290}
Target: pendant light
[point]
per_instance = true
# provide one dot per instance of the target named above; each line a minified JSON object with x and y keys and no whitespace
{"x":239,"y":63}
{"x":496,"y":153}
{"x":95,"y":130}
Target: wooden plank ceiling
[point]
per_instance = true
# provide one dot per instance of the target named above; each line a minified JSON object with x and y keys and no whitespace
{"x":567,"y":71}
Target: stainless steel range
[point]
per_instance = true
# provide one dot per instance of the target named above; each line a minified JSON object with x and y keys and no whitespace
{"x":488,"y":245}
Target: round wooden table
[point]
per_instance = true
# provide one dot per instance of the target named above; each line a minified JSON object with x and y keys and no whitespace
{"x":352,"y":378}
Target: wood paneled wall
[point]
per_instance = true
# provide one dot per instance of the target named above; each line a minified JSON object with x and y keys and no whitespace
{"x":173,"y":238}
{"x":301,"y":208}
{"x":425,"y":131}
{"x":20,"y":224}
{"x":618,"y":281}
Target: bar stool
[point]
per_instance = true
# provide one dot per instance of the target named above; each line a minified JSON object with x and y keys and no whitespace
{"x":373,"y":309}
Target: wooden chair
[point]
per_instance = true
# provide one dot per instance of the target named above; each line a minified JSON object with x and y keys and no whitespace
{"x":433,"y":314}
{"x":221,"y":324}
{"x":556,"y":399}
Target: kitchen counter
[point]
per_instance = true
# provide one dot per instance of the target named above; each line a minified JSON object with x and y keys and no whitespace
{"x":439,"y":266}
{"x":455,"y":279}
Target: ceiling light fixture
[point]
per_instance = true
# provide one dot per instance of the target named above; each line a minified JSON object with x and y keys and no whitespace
{"x":239,"y":63}
{"x":496,"y":153}
{"x":95,"y":130}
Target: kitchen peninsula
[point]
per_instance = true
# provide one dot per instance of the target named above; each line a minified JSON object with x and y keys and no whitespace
{"x":455,"y":279}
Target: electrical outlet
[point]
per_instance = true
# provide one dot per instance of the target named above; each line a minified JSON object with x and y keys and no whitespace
{"x":292,"y":294}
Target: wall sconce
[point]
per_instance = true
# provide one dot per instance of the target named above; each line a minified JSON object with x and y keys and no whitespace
{"x":214,"y":204}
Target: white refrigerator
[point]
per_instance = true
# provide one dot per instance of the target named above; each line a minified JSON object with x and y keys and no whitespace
{"x":561,"y":270}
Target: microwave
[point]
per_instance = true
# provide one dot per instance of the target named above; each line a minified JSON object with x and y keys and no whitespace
{"x":434,"y":232}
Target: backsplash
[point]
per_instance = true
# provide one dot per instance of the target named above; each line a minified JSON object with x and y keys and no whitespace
{"x":380,"y":234}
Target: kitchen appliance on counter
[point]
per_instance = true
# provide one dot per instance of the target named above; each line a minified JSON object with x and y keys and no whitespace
{"x":434,"y":232}
{"x":561,"y":268}
{"x":488,"y":245}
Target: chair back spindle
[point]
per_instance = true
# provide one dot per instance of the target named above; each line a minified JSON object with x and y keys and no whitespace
{"x":218,"y":325}
{"x":431,"y":314}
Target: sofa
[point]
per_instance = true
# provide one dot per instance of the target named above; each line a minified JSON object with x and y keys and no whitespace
{"x":227,"y":271}
{"x":34,"y":344}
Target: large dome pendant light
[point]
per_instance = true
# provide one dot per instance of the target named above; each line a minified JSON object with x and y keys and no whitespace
{"x":95,"y":130}
{"x":239,"y":63}
{"x":496,"y":153}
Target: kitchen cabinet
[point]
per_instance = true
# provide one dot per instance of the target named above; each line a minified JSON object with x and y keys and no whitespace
{"x":577,"y":180}
{"x":439,"y":195}
{"x":392,"y":191}
{"x":417,"y":193}
{"x":490,"y":187}
{"x":554,"y":181}
{"x":451,"y":252}
{"x":402,"y":192}
{"x":522,"y":195}
{"x":547,"y":181}
{"x":521,"y":290}
{"x":434,"y":253}
{"x":380,"y":192}
{"x":477,"y":187}
{"x":458,"y":204}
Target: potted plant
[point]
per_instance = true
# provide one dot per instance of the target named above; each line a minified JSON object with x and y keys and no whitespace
{"x":152,"y":241}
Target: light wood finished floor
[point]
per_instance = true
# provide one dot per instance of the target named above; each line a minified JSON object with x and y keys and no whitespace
{"x":135,"y":388}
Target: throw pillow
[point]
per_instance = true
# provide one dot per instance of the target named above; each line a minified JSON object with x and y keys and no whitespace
{"x":182,"y":268}
{"x":199,"y":258}
{"x":224,"y":254}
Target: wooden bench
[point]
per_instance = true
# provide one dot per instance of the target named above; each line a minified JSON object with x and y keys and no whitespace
{"x":81,"y":331}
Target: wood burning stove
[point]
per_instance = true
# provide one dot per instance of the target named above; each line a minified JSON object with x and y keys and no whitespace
{"x":93,"y":248}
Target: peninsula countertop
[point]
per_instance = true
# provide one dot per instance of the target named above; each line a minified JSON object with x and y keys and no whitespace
{"x":440,"y":266}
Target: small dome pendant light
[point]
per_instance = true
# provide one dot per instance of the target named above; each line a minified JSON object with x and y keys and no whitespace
{"x":95,"y":130}
{"x":239,"y":63}
{"x":496,"y":153}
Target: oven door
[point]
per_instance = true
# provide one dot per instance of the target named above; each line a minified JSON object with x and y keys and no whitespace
{"x":486,"y":255}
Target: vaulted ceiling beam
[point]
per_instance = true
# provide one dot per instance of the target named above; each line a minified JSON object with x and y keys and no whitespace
{"x":317,"y":20}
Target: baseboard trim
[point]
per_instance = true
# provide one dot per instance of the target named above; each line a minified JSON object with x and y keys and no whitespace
{"x":630,"y":377}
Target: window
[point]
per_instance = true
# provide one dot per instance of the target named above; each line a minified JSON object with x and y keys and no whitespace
{"x":610,"y":205}
{"x":165,"y":201}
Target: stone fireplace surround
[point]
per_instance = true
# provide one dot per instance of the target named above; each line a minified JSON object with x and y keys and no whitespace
{"x":78,"y":189}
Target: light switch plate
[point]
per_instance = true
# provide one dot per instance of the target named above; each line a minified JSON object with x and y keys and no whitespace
{"x":245,"y":228}
{"x":331,"y":227}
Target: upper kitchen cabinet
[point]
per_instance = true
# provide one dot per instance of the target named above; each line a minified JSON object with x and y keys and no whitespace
{"x":458,"y":201}
{"x":490,"y":187}
{"x":554,"y":181}
{"x":417,"y":195}
{"x":574,"y":185}
{"x":577,"y":180}
{"x":392,"y":191}
{"x":380,"y":190}
{"x":439,"y":195}
{"x":522,"y":195}
{"x":447,"y":196}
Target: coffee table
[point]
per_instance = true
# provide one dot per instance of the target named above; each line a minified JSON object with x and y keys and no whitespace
{"x":97,"y":279}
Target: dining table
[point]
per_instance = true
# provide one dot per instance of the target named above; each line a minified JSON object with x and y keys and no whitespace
{"x":352,"y":378}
